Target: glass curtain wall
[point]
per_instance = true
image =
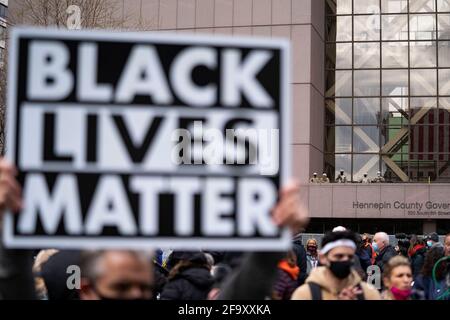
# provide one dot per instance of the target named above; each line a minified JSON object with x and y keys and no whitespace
{"x":388,"y":89}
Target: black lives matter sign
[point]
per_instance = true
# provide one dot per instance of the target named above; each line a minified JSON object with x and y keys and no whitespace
{"x":144,"y":140}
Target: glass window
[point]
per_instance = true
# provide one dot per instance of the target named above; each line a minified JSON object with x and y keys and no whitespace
{"x":395,"y":82}
{"x":367,"y":55}
{"x":422,"y":6}
{"x":444,"y":82}
{"x":424,"y":140}
{"x":444,"y":54}
{"x":395,"y":54}
{"x":3,"y":11}
{"x":394,"y":6}
{"x":395,"y":27}
{"x":366,"y":6}
{"x":365,"y":163}
{"x":366,"y":111}
{"x":367,"y":28}
{"x":343,"y":162}
{"x":395,"y":111}
{"x":444,"y":26}
{"x":340,"y":110}
{"x":344,"y":28}
{"x":443,"y":5}
{"x":342,"y":85}
{"x":343,"y":6}
{"x":343,"y":139}
{"x":422,"y":27}
{"x":422,"y":54}
{"x":443,"y":132}
{"x":423,"y":82}
{"x":366,"y":139}
{"x":367,"y":83}
{"x":420,"y":108}
{"x":340,"y":55}
{"x":444,"y":103}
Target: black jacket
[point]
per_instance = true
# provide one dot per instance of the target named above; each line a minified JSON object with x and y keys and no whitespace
{"x":254,"y":279}
{"x":384,"y":256}
{"x":417,"y":260}
{"x":300,"y":252}
{"x":190,"y":284}
{"x":16,"y":278}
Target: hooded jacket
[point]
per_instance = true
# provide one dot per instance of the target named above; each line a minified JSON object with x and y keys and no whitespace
{"x":321,"y":276}
{"x":190,"y":284}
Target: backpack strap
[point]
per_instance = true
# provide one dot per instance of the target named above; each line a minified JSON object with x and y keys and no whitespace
{"x":316,"y":291}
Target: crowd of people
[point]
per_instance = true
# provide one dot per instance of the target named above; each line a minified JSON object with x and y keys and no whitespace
{"x":344,"y":266}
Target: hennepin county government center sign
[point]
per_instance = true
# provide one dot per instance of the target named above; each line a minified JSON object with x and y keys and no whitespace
{"x":427,"y":208}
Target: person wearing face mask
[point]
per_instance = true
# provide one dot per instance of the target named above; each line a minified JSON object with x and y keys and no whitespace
{"x":383,"y":249}
{"x":312,"y":258}
{"x":432,"y":239}
{"x":398,"y":279}
{"x":336,"y":279}
{"x":115,"y":275}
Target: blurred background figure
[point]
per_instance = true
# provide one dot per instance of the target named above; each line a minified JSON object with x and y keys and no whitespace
{"x":300,"y":253}
{"x":362,"y":256}
{"x":312,"y":257}
{"x":161,"y":272}
{"x":314,"y":178}
{"x":339,"y":229}
{"x":41,"y":258}
{"x":341,"y":178}
{"x":324,"y":178}
{"x":432,"y":239}
{"x":364,"y":179}
{"x":116,"y":275}
{"x":379,"y":178}
{"x":397,"y":279}
{"x":367,"y":245}
{"x":189,"y":278}
{"x":433,"y":288}
{"x":403,"y":244}
{"x":286,"y":281}
{"x":447,"y":245}
{"x":56,"y":272}
{"x":219,"y":272}
{"x":416,"y":254}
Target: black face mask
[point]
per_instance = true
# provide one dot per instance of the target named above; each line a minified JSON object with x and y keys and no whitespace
{"x":341,"y":269}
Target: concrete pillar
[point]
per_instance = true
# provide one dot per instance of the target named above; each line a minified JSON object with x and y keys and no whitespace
{"x":429,"y":226}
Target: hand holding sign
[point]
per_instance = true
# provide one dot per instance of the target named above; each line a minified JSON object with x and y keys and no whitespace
{"x":10,"y":191}
{"x":290,"y":211}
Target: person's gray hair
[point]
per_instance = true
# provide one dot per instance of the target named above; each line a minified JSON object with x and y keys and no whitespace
{"x":91,"y":262}
{"x":384,"y":237}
